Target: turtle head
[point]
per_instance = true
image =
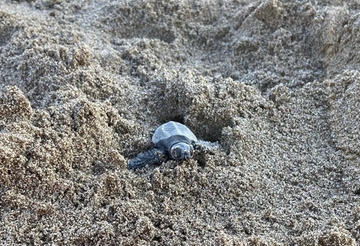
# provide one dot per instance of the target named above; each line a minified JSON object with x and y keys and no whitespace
{"x":180,"y":151}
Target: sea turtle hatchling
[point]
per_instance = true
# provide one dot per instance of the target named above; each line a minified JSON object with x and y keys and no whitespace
{"x":172,"y":141}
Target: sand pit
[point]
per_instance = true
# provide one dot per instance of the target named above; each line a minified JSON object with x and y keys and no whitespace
{"x":84,"y":83}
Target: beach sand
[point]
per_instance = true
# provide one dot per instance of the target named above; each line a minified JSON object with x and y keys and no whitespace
{"x":83,"y":84}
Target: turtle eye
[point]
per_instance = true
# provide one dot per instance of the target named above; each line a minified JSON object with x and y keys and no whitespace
{"x":191,"y":150}
{"x":188,"y":152}
{"x":181,"y":151}
{"x":177,"y":153}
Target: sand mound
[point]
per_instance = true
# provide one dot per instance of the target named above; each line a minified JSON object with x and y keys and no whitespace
{"x":83,"y":85}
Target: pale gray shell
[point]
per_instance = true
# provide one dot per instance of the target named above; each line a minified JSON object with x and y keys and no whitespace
{"x":172,"y":129}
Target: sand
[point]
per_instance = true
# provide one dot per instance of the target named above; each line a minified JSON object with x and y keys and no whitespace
{"x":83,"y":84}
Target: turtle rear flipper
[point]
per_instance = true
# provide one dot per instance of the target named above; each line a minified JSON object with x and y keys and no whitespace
{"x":206,"y":147}
{"x":151,"y":157}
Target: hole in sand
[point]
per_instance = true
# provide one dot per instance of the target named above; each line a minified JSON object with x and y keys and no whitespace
{"x":176,"y":118}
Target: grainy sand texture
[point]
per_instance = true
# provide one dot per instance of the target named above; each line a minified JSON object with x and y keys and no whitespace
{"x":83,"y":84}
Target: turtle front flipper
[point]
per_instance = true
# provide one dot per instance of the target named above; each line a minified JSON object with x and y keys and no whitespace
{"x":154,"y":156}
{"x":206,"y":147}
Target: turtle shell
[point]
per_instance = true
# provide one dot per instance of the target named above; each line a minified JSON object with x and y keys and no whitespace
{"x":171,"y":130}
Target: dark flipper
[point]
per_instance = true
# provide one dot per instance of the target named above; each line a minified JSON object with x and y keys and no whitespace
{"x":154,"y":156}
